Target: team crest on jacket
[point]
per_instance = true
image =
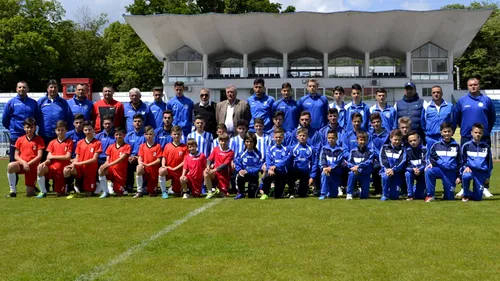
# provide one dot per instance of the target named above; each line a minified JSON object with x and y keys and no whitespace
{"x":480,"y":104}
{"x":185,"y":106}
{"x":180,"y":153}
{"x":387,"y":114}
{"x":34,"y":147}
{"x":154,"y":154}
{"x":91,"y":150}
{"x":453,"y":149}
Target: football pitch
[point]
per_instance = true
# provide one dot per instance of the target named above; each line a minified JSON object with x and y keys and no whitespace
{"x":249,"y":239}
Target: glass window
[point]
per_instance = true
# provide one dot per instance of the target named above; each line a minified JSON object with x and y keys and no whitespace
{"x":176,"y":69}
{"x":420,"y":66}
{"x":427,"y":92}
{"x":434,"y":51}
{"x":439,"y":66}
{"x":299,"y":92}
{"x":194,"y":68}
{"x":185,"y":54}
{"x":429,"y":50}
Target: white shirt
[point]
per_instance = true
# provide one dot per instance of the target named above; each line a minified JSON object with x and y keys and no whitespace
{"x":229,"y":118}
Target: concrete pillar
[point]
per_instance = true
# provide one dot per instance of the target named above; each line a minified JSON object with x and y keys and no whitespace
{"x":164,"y":80}
{"x":408,"y":65}
{"x":366,"y":69}
{"x":285,"y":66}
{"x":205,"y":67}
{"x":325,"y":65}
{"x":245,"y":66}
{"x":450,"y":66}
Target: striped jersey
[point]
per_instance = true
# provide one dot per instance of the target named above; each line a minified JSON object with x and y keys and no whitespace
{"x":203,"y":140}
{"x":237,"y":145}
{"x":215,"y":143}
{"x":263,"y":144}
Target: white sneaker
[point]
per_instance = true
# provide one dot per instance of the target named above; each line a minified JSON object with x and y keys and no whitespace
{"x":460,"y":193}
{"x":186,"y":196}
{"x":291,"y":197}
{"x":487,"y":193}
{"x":348,"y":197}
{"x":125,"y":193}
{"x":340,"y":191}
{"x":170,"y":191}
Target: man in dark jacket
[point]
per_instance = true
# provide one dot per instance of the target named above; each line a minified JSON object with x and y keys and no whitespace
{"x":206,"y":108}
{"x":411,"y":105}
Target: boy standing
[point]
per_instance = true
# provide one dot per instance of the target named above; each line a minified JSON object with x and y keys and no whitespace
{"x":203,"y":139}
{"x":134,"y":139}
{"x":357,"y":106}
{"x":392,"y":160}
{"x":277,"y":162}
{"x":192,"y":172}
{"x":29,"y":150}
{"x":219,"y":167}
{"x":444,"y":163}
{"x":172,"y":162}
{"x":221,"y":129}
{"x":404,"y":125}
{"x":116,"y":165}
{"x":106,"y":137}
{"x":338,"y":103}
{"x":387,"y":113}
{"x":331,"y":163}
{"x":59,"y":155}
{"x":360,"y":167}
{"x":304,"y":161}
{"x":84,"y":165}
{"x":478,"y":164}
{"x":333,"y":125}
{"x":416,"y":155}
{"x":148,"y":164}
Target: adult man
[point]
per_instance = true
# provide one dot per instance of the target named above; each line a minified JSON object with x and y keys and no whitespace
{"x":206,"y":109}
{"x":228,"y":112}
{"x":79,"y":104}
{"x":108,"y":106}
{"x":473,"y":108}
{"x":52,"y":108}
{"x":182,"y":107}
{"x":16,"y":111}
{"x":163,"y":133}
{"x":261,"y":105}
{"x":289,"y":106}
{"x":411,"y":105}
{"x":157,"y":107}
{"x":387,"y":113}
{"x":436,"y":112}
{"x":315,"y":104}
{"x":134,"y":107}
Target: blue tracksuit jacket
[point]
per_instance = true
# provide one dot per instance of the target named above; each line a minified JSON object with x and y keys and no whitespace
{"x":445,"y":156}
{"x":432,"y":118}
{"x":135,"y":139}
{"x":279,"y":156}
{"x":51,"y":111}
{"x":16,"y":110}
{"x":323,"y":134}
{"x":84,"y":107}
{"x":363,"y":158}
{"x":304,"y":159}
{"x":261,"y":108}
{"x":251,"y":161}
{"x":182,"y":108}
{"x":75,"y":136}
{"x":156,"y":109}
{"x":106,"y":140}
{"x":416,"y":158}
{"x":341,"y":109}
{"x":392,"y":158}
{"x":317,"y":105}
{"x":378,"y":140}
{"x":291,"y":110}
{"x":472,"y":110}
{"x":477,"y":156}
{"x":331,"y":157}
{"x":361,"y":108}
{"x":313,"y":138}
{"x":130,"y":111}
{"x":349,"y":142}
{"x":388,"y":114}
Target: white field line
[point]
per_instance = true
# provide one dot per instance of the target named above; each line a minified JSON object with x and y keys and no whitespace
{"x":101,"y":269}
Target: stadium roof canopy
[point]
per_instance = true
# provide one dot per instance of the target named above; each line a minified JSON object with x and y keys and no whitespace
{"x":365,"y":32}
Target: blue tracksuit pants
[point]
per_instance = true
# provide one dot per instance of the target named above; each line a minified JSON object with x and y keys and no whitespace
{"x":330,"y":184}
{"x":448,"y":177}
{"x":417,"y":191}
{"x":364,"y":180}
{"x":391,"y":185}
{"x":478,"y":178}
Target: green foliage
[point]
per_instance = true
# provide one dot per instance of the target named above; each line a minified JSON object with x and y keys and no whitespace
{"x":482,"y":57}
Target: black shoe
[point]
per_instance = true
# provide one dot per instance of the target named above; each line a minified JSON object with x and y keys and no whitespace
{"x":11,"y":195}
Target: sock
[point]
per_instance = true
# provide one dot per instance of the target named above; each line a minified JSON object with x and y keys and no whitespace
{"x":103,"y":183}
{"x":41,"y":184}
{"x":208,"y":184}
{"x":163,"y":184}
{"x":140,"y":182}
{"x":12,"y":182}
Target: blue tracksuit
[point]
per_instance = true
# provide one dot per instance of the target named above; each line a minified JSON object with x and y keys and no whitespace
{"x":286,"y":137}
{"x":362,"y":109}
{"x":432,"y":119}
{"x":16,"y":110}
{"x":304,"y":159}
{"x":84,"y":107}
{"x":75,"y":136}
{"x":313,"y":138}
{"x":341,"y":109}
{"x":378,"y":140}
{"x":163,"y":137}
{"x":363,"y":158}
{"x":472,"y":110}
{"x":415,"y":158}
{"x":261,"y":108}
{"x":323,"y":134}
{"x":478,"y":158}
{"x":331,"y":157}
{"x":291,"y":110}
{"x":130,"y":111}
{"x":392,"y":158}
{"x":317,"y":105}
{"x":182,"y":108}
{"x":106,"y":141}
{"x":388,"y":115}
{"x":279,"y":156}
{"x":51,"y":111}
{"x":445,"y":160}
{"x":349,"y":142}
{"x":135,"y":139}
{"x":251,"y":161}
{"x":156,"y":108}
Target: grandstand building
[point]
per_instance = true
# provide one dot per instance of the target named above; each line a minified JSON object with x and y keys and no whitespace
{"x":373,"y":49}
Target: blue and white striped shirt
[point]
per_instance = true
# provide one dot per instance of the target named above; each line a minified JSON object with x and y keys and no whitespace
{"x":263,"y":143}
{"x":203,"y":140}
{"x":237,"y":145}
{"x":215,"y":143}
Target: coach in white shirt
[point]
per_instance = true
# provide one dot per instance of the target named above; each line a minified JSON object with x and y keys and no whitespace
{"x":228,"y":112}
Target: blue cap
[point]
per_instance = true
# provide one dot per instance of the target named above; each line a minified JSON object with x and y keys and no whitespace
{"x":410,"y":84}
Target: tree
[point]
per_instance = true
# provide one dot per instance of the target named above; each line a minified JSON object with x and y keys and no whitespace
{"x":482,"y":57}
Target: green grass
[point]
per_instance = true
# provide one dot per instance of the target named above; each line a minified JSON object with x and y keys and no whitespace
{"x":302,"y":239}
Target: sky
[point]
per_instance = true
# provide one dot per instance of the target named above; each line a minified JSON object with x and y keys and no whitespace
{"x":116,"y":8}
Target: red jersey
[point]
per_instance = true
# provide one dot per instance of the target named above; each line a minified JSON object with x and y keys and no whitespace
{"x":115,"y":152}
{"x":221,"y":157}
{"x":86,"y":150}
{"x":174,"y":155}
{"x":149,"y":154}
{"x":195,"y":165}
{"x":113,"y":108}
{"x":28,"y":149}
{"x":58,"y":148}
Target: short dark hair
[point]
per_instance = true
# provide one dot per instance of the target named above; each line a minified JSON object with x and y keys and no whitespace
{"x":199,"y":117}
{"x":30,"y":121}
{"x":179,"y":84}
{"x":88,"y":123}
{"x":258,"y":121}
{"x":158,"y":89}
{"x":286,"y":85}
{"x":168,"y":111}
{"x":339,"y":89}
{"x":176,"y":129}
{"x":356,"y":87}
{"x":445,"y":125}
{"x":279,"y":131}
{"x":224,"y":136}
{"x":279,"y":113}
{"x":222,"y":126}
{"x":302,"y":131}
{"x":362,"y":134}
{"x":381,"y":90}
{"x":375,"y":116}
{"x":120,"y":130}
{"x":333,"y":111}
{"x":192,"y":141}
{"x":333,"y":132}
{"x":138,"y":116}
{"x":62,"y":124}
{"x":357,"y":115}
{"x":108,"y":117}
{"x":259,"y":81}
{"x":52,"y":82}
{"x":479,"y":126}
{"x":242,"y":122}
{"x":250,"y":136}
{"x":396,"y":133}
{"x":413,"y":133}
{"x":305,"y":112}
{"x":149,"y":129}
{"x":78,"y":116}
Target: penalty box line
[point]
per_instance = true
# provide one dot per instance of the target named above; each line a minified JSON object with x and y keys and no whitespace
{"x":100,"y":270}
